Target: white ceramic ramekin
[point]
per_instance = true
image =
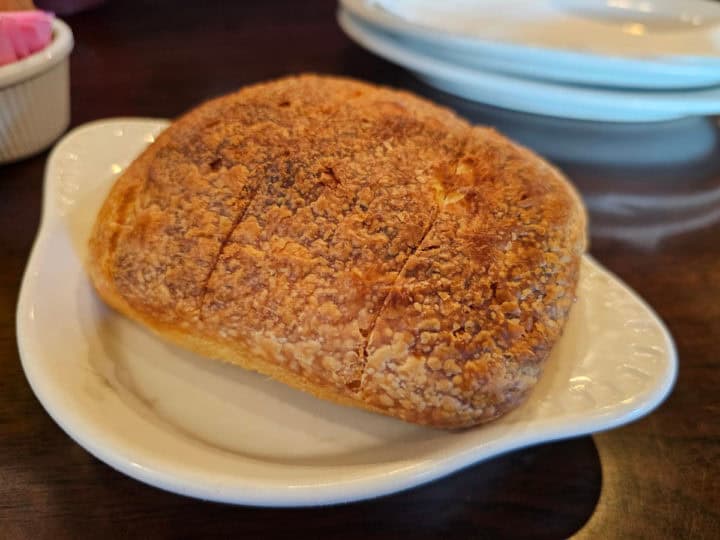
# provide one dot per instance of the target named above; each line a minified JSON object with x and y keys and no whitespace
{"x":35,"y":98}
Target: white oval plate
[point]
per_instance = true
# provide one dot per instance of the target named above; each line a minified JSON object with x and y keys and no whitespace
{"x":214,"y":431}
{"x":623,"y":43}
{"x":534,"y":96}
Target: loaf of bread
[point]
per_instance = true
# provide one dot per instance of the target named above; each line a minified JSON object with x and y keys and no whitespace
{"x":353,"y":241}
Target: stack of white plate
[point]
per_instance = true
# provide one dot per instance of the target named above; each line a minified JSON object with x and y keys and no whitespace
{"x":601,"y":60}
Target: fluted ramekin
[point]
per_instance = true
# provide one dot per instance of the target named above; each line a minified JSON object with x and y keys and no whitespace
{"x":35,"y":98}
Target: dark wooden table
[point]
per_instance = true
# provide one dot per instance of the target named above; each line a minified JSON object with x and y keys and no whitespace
{"x":653,"y":196}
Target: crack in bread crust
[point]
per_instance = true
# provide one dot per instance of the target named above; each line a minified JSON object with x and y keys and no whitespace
{"x":440,"y":189}
{"x":223,"y":243}
{"x":371,"y":329}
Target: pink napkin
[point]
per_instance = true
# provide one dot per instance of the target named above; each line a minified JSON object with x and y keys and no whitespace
{"x":23,"y":33}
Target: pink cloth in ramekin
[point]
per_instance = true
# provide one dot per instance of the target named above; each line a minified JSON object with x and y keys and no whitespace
{"x":23,"y":33}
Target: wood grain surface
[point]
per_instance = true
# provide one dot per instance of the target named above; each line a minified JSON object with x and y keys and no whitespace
{"x":653,"y":194}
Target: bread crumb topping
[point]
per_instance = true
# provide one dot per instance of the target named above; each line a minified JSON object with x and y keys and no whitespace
{"x":372,"y":243}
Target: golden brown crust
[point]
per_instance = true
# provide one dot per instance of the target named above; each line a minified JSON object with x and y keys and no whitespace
{"x":353,"y":241}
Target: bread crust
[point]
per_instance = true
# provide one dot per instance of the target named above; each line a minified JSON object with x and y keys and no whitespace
{"x":353,"y":241}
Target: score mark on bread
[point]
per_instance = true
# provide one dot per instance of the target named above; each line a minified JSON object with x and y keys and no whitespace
{"x":353,"y":241}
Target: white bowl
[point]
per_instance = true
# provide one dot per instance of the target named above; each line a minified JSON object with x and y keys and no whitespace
{"x":35,"y":98}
